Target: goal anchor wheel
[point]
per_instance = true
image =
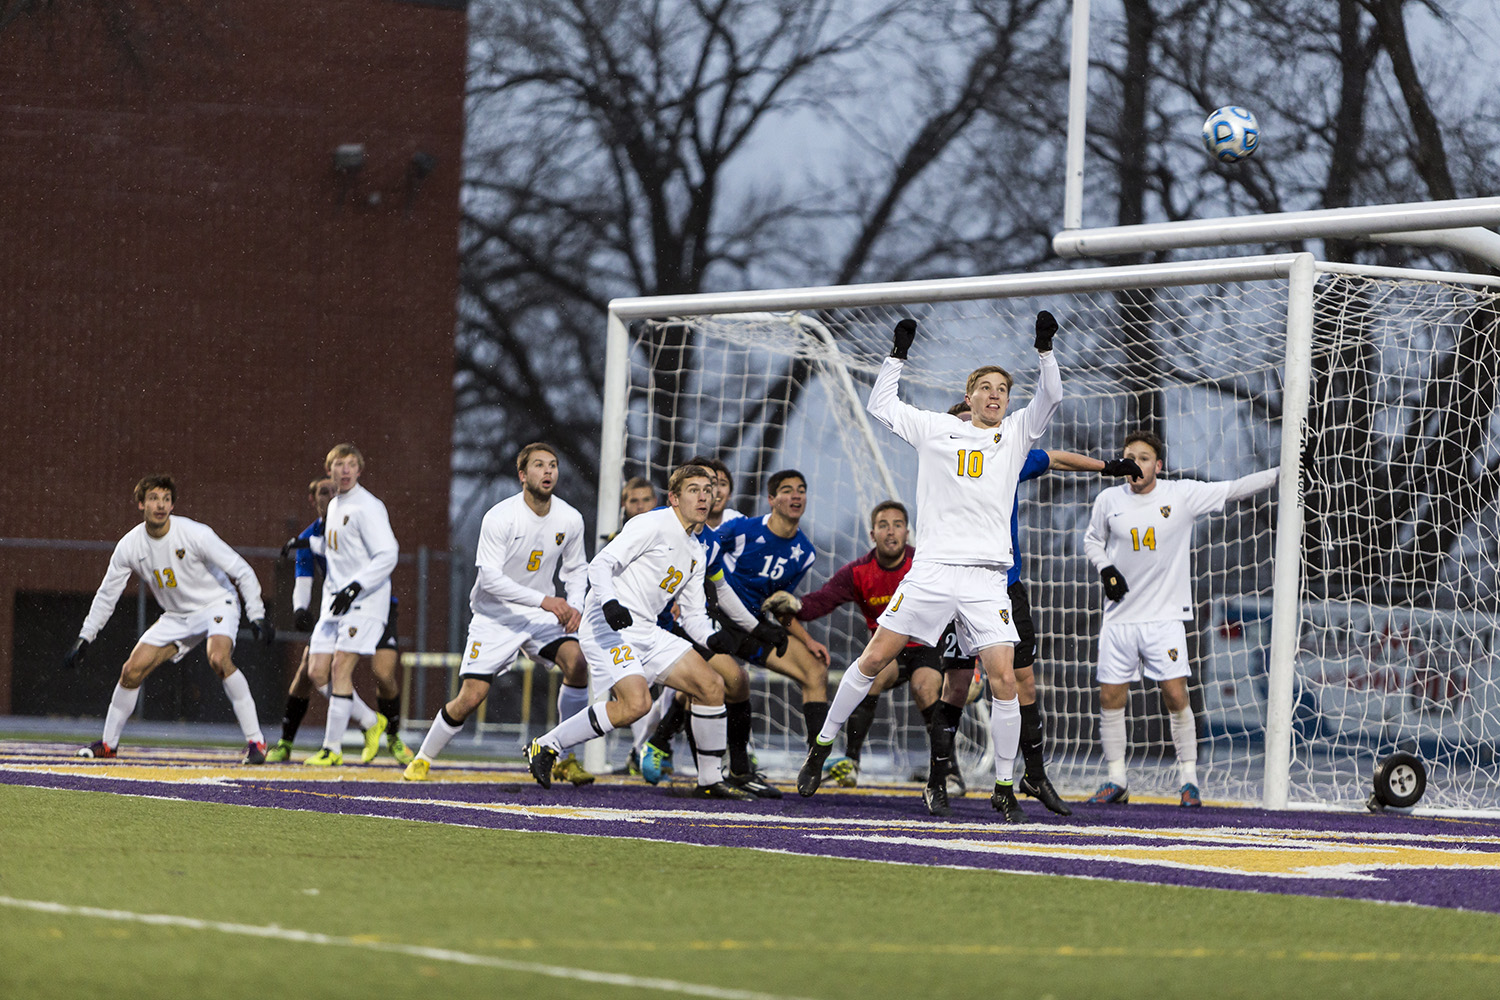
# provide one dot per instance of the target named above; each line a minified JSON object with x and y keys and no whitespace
{"x":1400,"y":780}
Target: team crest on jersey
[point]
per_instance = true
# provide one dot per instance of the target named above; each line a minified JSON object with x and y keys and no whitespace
{"x":1166,"y":510}
{"x":218,"y":619}
{"x":346,"y":518}
{"x":559,"y":538}
{"x":1172,"y":654}
{"x":181,"y":553}
{"x":1005,"y":616}
{"x":997,"y":437}
{"x":355,"y":628}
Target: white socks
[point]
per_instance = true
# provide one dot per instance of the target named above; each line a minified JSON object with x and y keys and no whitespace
{"x":571,"y":701}
{"x":852,"y":690}
{"x":362,"y":714}
{"x":121,"y":704}
{"x":710,"y":735}
{"x":579,"y":727}
{"x":1005,"y":733}
{"x":339,"y":708}
{"x":1112,"y":736}
{"x":438,"y":736}
{"x":238,"y":690}
{"x":1185,"y":742}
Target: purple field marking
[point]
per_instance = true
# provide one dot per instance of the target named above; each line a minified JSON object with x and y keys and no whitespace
{"x":1433,"y":862}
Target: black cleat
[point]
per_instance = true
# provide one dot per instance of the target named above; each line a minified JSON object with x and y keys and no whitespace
{"x":541,"y":759}
{"x":935,"y":797}
{"x":1004,"y":801}
{"x":755,"y":783}
{"x":811,"y":774}
{"x":1044,"y":793}
{"x":723,"y":790}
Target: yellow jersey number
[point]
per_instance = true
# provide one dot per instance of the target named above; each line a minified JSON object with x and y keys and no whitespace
{"x":535,"y":562}
{"x":621,"y":655}
{"x":1137,"y":540}
{"x":970,"y":463}
{"x":670,"y":582}
{"x":164,"y":578}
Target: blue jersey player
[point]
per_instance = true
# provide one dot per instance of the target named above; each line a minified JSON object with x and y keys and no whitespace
{"x":763,"y":555}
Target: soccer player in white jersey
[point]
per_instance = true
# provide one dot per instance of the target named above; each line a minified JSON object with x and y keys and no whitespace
{"x":966,"y":488}
{"x":522,"y":542}
{"x":193,"y":575}
{"x":654,"y":560}
{"x":1140,"y":539}
{"x":361,"y":551}
{"x":720,"y":512}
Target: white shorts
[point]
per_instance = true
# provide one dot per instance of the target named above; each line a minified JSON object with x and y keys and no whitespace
{"x":645,"y":649}
{"x":349,"y":633}
{"x":932,"y":594}
{"x":186,"y":631}
{"x":1161,"y":646}
{"x":492,"y":645}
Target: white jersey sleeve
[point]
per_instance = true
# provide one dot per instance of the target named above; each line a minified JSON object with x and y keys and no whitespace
{"x":908,"y":422}
{"x":216,"y":552}
{"x":108,"y":594}
{"x":648,"y":565}
{"x":690,"y":601}
{"x":360,"y":547}
{"x":520,"y":552}
{"x":575,"y":568}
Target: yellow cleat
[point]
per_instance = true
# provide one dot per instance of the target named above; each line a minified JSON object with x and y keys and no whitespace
{"x":399,"y":749}
{"x":568,"y":769}
{"x":325,"y":758}
{"x":416,"y":770}
{"x":372,"y":739}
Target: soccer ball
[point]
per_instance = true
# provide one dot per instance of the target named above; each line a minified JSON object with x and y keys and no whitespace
{"x":1231,"y":133}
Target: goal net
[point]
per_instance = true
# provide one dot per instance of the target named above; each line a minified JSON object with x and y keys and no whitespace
{"x":1392,"y":622}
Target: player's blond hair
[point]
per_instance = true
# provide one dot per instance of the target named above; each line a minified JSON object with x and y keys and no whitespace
{"x":529,"y":450}
{"x":683,"y":473}
{"x":979,"y":373}
{"x":344,"y":450}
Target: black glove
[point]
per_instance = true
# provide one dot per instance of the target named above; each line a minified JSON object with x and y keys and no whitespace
{"x":1046,"y":326}
{"x":1122,"y":467}
{"x":723,"y":641}
{"x":618,"y":615}
{"x":1114,"y":583}
{"x":344,"y":598}
{"x":263,"y":630}
{"x":906,"y":332}
{"x":294,"y":543}
{"x":74,"y":655}
{"x":772,"y":635}
{"x":303,"y":620}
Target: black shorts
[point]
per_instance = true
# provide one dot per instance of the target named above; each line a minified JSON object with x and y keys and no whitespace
{"x":1020,"y":614}
{"x":388,"y":638}
{"x":942,"y":657}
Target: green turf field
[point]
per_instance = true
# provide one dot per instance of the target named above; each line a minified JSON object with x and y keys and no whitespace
{"x":733,"y":920}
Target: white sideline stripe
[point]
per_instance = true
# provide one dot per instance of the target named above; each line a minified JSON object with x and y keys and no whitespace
{"x":416,"y":951}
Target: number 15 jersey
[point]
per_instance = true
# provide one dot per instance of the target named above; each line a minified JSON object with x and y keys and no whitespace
{"x":758,"y":562}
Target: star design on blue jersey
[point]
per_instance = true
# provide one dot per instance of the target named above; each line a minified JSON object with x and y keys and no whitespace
{"x":797,"y":551}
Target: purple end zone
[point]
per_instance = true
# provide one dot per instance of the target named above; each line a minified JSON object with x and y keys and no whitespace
{"x":1392,"y":858}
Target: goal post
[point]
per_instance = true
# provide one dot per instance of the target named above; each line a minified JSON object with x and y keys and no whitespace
{"x":1337,"y":373}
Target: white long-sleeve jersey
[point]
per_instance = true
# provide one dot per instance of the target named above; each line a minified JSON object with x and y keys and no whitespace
{"x":652,"y":562}
{"x":966,"y":475}
{"x":186,"y":569}
{"x":519,"y":552}
{"x":1148,"y":537}
{"x":360,"y":547}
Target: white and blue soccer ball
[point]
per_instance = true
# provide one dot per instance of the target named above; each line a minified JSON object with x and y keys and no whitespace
{"x":1231,"y":133}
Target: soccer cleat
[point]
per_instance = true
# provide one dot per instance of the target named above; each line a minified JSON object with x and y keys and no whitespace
{"x":325,"y":758}
{"x":811,"y":774}
{"x":372,"y":739}
{"x":255,"y":753}
{"x":540,"y":759}
{"x":935,"y":797}
{"x":723,"y":790}
{"x":656,"y":763}
{"x":568,"y":769}
{"x":1190,"y":799}
{"x":1043,"y":792}
{"x":845,"y":771}
{"x":98,"y":749}
{"x":416,"y":770}
{"x":957,"y":787}
{"x":755,"y":783}
{"x":1109,"y":793}
{"x":633,"y":765}
{"x":1004,"y":801}
{"x":398,"y":748}
{"x":280,"y":753}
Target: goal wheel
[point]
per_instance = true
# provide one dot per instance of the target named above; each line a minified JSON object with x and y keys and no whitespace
{"x":1400,"y":780}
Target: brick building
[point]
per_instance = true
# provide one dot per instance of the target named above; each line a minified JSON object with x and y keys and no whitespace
{"x":193,"y":285}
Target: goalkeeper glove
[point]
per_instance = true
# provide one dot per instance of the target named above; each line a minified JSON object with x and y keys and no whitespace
{"x":617,"y":615}
{"x":1122,"y":467}
{"x":722,"y":641}
{"x":772,"y":635}
{"x":263,"y":630}
{"x":906,"y":332}
{"x":344,"y":599}
{"x":1114,"y":583}
{"x":74,"y":655}
{"x":1046,"y":326}
{"x":781,"y":604}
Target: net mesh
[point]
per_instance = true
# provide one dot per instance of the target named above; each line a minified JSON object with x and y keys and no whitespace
{"x":1396,"y":635}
